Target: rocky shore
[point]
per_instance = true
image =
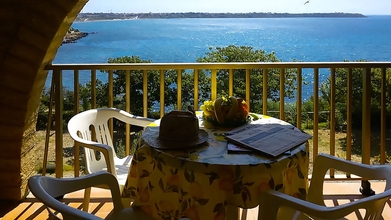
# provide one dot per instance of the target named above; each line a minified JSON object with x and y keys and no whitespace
{"x":72,"y":37}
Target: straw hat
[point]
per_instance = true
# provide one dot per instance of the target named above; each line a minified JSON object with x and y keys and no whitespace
{"x":177,"y":130}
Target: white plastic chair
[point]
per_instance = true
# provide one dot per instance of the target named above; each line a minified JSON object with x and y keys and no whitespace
{"x":79,"y":128}
{"x":277,"y":205}
{"x":47,"y":189}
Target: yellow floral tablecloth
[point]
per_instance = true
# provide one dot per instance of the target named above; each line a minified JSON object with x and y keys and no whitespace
{"x":199,"y":183}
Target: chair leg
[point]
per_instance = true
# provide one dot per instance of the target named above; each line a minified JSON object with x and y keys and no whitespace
{"x":365,"y":188}
{"x":86,"y":200}
{"x":244,"y":214}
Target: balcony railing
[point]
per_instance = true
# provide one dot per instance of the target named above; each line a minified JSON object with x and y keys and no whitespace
{"x":315,"y":70}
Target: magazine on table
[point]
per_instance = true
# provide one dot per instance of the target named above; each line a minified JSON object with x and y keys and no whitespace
{"x":233,"y":148}
{"x":270,"y":139}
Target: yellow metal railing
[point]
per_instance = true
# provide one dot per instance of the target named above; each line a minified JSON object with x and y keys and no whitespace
{"x":59,"y":69}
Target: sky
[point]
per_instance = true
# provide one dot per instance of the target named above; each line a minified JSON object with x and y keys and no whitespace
{"x":366,"y":7}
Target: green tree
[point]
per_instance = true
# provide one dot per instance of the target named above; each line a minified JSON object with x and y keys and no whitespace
{"x":233,"y":53}
{"x":136,"y":85}
{"x":220,"y":54}
{"x":341,"y":80}
{"x":153,"y":87}
{"x":85,"y":100}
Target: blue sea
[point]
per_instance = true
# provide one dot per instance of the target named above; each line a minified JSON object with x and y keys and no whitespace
{"x":184,"y":40}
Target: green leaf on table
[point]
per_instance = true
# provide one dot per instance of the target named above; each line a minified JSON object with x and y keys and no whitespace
{"x":144,"y":173}
{"x":303,"y":191}
{"x":139,"y":157}
{"x":254,"y":116}
{"x":161,"y":185}
{"x":299,"y":173}
{"x":202,"y":201}
{"x":212,"y":177}
{"x":244,"y":197}
{"x":278,"y":187}
{"x":184,"y":205}
{"x":218,"y":207}
{"x":189,"y":176}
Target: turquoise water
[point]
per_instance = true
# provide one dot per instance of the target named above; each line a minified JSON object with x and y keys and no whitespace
{"x":184,"y":40}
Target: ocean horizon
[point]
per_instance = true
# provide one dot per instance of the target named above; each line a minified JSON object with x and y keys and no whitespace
{"x":184,"y":40}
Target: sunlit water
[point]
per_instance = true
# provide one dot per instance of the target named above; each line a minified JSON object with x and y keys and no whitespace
{"x":184,"y":40}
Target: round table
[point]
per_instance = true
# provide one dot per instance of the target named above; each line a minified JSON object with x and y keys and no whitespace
{"x":199,"y":183}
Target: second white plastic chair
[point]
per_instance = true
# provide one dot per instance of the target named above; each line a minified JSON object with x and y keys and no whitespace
{"x":277,"y":205}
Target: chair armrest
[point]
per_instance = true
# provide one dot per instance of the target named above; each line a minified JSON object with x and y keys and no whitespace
{"x":324,"y":162}
{"x":103,"y":148}
{"x":46,"y":189}
{"x":270,"y":202}
{"x":132,"y":119}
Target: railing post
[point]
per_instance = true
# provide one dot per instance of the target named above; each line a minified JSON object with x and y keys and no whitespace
{"x":179,"y":90}
{"x":248,"y":88}
{"x":264,"y":91}
{"x":110,"y":100}
{"x":161,"y":93}
{"x":282,"y":94}
{"x":366,"y":119}
{"x":366,"y":128}
{"x":230,"y":82}
{"x":93,"y":89}
{"x":383,"y":113}
{"x":349,"y":113}
{"x":316,"y":114}
{"x":332,"y":116}
{"x":145,"y":93}
{"x":127,"y":108}
{"x":76,"y":147}
{"x":299,"y":97}
{"x":196,"y":89}
{"x":57,"y":74}
{"x":213,"y":86}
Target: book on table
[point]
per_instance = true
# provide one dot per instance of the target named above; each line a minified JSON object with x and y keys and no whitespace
{"x":270,"y":139}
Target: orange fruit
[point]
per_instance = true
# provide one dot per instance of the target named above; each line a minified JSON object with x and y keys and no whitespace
{"x":263,"y":187}
{"x":144,"y":196}
{"x":226,"y":184}
{"x":173,"y":180}
{"x":166,"y":206}
{"x":219,"y":216}
{"x":133,"y":170}
{"x":196,"y":191}
{"x":192,"y":213}
{"x":289,"y":173}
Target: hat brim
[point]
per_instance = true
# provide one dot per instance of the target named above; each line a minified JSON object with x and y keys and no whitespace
{"x":151,"y":137}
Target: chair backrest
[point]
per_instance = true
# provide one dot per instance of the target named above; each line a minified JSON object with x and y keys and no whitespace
{"x":81,"y":125}
{"x":47,"y":189}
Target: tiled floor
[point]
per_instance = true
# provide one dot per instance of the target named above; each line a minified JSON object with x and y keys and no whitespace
{"x":336,"y":193}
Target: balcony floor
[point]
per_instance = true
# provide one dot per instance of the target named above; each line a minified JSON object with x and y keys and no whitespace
{"x":335,"y":192}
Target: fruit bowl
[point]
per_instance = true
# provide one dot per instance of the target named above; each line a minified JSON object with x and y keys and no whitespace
{"x":226,"y":111}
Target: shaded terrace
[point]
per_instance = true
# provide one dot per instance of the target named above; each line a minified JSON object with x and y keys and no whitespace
{"x":32,"y":33}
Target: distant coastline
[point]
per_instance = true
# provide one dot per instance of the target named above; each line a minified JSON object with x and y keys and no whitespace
{"x":127,"y":16}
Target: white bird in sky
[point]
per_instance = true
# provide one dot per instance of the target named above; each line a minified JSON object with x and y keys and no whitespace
{"x":307,"y":2}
